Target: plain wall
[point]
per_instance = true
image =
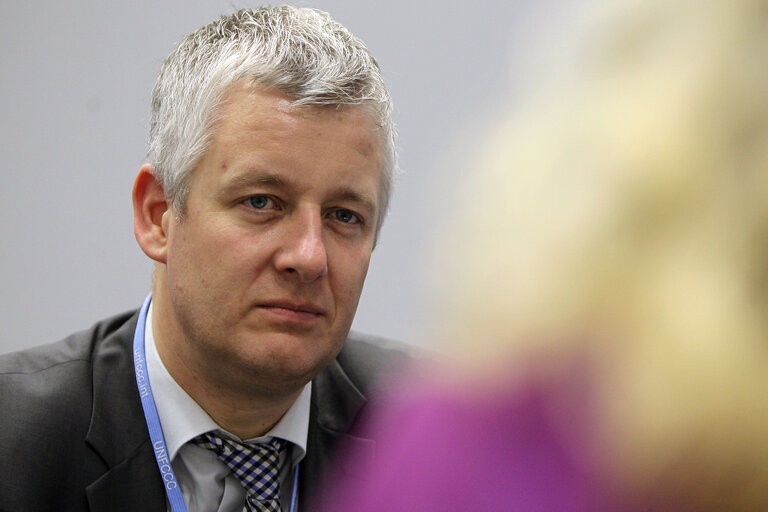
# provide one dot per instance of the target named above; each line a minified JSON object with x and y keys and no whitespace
{"x":76,"y":80}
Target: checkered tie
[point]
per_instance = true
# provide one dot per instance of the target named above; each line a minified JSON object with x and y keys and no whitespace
{"x":255,"y":466}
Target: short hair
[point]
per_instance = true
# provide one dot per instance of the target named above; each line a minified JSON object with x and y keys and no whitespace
{"x":301,"y":52}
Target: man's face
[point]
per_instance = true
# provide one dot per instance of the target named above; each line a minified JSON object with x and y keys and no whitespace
{"x":265,"y":269}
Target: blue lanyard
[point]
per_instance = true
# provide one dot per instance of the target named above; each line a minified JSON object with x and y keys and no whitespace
{"x":172,"y":488}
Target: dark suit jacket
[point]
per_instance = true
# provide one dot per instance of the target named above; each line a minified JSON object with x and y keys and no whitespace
{"x":73,"y":435}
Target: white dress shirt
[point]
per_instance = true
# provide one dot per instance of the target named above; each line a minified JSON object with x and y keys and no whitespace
{"x":206,"y":483}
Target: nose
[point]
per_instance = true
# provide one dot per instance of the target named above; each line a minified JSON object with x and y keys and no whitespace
{"x":303,"y":250}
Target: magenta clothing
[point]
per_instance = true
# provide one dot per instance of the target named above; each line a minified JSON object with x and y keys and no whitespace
{"x":519,"y":449}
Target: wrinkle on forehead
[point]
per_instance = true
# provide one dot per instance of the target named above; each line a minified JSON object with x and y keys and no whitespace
{"x":285,"y":104}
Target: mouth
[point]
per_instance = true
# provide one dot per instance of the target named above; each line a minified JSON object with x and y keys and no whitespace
{"x":294,"y":312}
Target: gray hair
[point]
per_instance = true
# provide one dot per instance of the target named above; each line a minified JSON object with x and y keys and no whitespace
{"x":299,"y":51}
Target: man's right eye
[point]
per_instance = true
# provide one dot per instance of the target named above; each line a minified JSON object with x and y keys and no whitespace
{"x":260,"y":202}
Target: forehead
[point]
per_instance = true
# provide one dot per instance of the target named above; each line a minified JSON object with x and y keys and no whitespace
{"x":260,"y":131}
{"x":248,"y":108}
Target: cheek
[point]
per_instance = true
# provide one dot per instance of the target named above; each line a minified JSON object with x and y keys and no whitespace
{"x":197,"y":257}
{"x":350,"y":274}
{"x":211,"y":245}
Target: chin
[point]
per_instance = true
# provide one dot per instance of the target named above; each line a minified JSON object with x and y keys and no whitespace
{"x":283,"y":361}
{"x":288,"y":354}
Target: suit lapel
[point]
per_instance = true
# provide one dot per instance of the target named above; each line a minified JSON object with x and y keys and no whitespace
{"x":118,"y":432}
{"x":119,"y":435}
{"x":335,"y":405}
{"x":130,"y":486}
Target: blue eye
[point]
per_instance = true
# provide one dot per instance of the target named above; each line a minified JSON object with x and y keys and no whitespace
{"x":259,"y":202}
{"x":346,"y":217}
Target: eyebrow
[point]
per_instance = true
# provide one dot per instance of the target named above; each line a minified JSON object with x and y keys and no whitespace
{"x":250,"y":179}
{"x":235,"y":185}
{"x":347,"y":194}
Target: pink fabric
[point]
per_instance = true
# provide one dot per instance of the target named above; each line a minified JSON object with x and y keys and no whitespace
{"x":477,"y":450}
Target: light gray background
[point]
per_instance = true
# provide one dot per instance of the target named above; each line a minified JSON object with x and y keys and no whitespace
{"x":76,"y":79}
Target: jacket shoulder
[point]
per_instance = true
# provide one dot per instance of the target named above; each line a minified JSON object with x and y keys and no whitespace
{"x":49,"y":386}
{"x":46,"y":395}
{"x":75,"y":347}
{"x":370,"y":361}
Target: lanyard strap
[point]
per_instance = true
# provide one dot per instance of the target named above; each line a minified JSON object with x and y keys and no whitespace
{"x":172,"y":488}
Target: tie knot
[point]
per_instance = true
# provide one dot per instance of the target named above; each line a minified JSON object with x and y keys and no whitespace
{"x":256,"y":466}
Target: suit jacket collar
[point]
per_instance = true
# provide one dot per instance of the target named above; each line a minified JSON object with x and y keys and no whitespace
{"x":118,"y":432}
{"x":336,"y":403}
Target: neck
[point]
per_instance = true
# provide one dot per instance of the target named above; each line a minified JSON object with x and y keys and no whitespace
{"x":244,"y":414}
{"x":235,"y":404}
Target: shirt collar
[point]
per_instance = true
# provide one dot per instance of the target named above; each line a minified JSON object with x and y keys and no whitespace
{"x":182,"y":419}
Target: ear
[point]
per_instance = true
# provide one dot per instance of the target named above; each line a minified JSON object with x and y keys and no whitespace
{"x":149,"y":209}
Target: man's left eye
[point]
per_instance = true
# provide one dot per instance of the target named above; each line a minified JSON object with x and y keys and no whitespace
{"x":346,"y":217}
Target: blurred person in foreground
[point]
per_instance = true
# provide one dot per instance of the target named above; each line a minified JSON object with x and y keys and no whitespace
{"x":271,"y":152}
{"x":607,"y":290}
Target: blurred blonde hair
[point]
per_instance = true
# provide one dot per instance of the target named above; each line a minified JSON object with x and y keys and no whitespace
{"x":624,"y":212}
